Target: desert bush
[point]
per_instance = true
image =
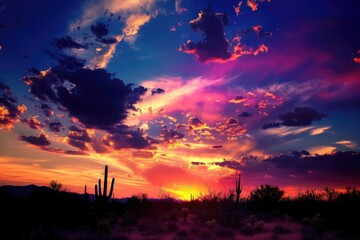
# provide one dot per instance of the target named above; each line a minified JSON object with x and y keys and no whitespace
{"x":182,"y":233}
{"x":266,"y":197}
{"x":55,"y":185}
{"x":129,"y":220}
{"x":101,"y":226}
{"x":228,"y":233}
{"x":315,"y":221}
{"x":279,"y":229}
{"x":251,"y":225}
{"x":172,"y":227}
{"x":311,"y":196}
{"x":211,"y":223}
{"x":173,"y":217}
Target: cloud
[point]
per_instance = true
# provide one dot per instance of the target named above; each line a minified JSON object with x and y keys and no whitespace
{"x":110,"y":40}
{"x":237,"y":99}
{"x":67,"y":43}
{"x":33,"y":122}
{"x":55,"y":126}
{"x":157,"y":91}
{"x":245,"y":114}
{"x":92,"y":96}
{"x":237,"y":8}
{"x":318,"y":131}
{"x":196,"y":123}
{"x":79,"y":134}
{"x":357,"y":59}
{"x":254,"y":4}
{"x":9,"y":110}
{"x":169,"y":135}
{"x":215,"y":47}
{"x":37,"y":141}
{"x":79,"y":137}
{"x":271,"y":125}
{"x":258,"y":30}
{"x":178,"y":7}
{"x":301,"y":117}
{"x":99,"y":30}
{"x":300,"y":169}
{"x":347,"y":143}
{"x":301,"y":153}
{"x":47,"y":110}
{"x":142,"y":154}
{"x":136,"y":13}
{"x":124,"y":137}
{"x":133,"y":25}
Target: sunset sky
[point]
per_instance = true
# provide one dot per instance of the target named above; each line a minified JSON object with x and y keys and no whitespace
{"x":180,"y":96}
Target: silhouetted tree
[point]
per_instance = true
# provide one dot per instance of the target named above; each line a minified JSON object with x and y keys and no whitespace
{"x":55,"y":185}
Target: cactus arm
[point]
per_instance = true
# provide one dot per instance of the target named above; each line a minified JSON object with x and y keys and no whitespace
{"x":105,"y":181}
{"x":96,"y":191}
{"x":99,"y":187}
{"x":111,"y":188}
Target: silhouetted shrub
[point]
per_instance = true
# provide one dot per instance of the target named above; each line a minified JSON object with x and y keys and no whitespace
{"x":182,"y":233}
{"x":172,"y":227}
{"x":266,"y":197}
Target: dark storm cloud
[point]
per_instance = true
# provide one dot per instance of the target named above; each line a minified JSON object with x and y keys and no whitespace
{"x":55,"y":126}
{"x":67,"y":43}
{"x":338,"y":163}
{"x":37,"y":141}
{"x":157,"y":91}
{"x":99,"y":30}
{"x":33,"y":122}
{"x":214,"y":45}
{"x":91,"y":95}
{"x":303,"y":169}
{"x":301,"y":117}
{"x":10,"y":111}
{"x":271,"y":125}
{"x":123,"y":137}
{"x":245,"y":114}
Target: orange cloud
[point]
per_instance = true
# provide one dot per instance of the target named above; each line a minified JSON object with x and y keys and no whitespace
{"x":237,"y":8}
{"x":253,"y":4}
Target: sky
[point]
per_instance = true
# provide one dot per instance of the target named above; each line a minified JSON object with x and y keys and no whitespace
{"x":179,"y":97}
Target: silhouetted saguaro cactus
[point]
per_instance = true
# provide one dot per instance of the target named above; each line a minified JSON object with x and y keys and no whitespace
{"x":104,"y":196}
{"x":86,"y":195}
{"x":238,"y":189}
